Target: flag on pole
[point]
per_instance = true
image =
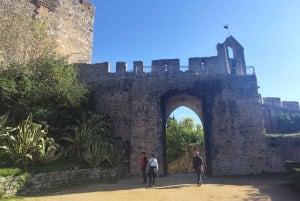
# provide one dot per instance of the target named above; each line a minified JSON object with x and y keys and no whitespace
{"x":226,"y":26}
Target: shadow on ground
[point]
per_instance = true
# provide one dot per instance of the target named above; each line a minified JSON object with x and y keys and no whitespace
{"x":275,"y":187}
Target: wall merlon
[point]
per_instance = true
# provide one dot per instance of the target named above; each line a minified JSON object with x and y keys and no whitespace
{"x":103,"y":67}
{"x":291,"y":105}
{"x":274,"y":101}
{"x":121,"y":67}
{"x":138,"y":67}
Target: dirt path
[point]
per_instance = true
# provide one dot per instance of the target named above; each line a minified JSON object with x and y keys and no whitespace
{"x":180,"y":187}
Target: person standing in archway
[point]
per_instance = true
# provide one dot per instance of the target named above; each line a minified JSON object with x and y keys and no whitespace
{"x":153,"y":170}
{"x":143,"y":164}
{"x":198,"y":167}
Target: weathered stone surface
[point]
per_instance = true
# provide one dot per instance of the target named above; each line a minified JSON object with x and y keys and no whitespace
{"x":71,"y":21}
{"x":273,"y":108}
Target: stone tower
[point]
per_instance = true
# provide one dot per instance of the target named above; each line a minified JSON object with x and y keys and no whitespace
{"x":71,"y":21}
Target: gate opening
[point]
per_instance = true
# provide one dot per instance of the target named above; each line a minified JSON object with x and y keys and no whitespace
{"x":184,"y":135}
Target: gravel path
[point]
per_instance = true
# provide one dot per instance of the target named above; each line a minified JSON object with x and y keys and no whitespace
{"x":181,"y":187}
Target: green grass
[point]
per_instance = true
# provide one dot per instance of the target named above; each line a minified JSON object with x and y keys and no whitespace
{"x":12,"y":198}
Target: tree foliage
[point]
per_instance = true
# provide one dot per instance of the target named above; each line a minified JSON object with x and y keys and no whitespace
{"x":47,"y":87}
{"x":180,"y":135}
{"x":288,"y":123}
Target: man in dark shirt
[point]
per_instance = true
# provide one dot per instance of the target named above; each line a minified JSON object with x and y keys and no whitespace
{"x":198,"y":167}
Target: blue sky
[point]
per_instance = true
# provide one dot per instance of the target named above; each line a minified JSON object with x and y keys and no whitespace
{"x":269,"y":31}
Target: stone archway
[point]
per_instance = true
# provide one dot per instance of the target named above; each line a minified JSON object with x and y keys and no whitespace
{"x":170,"y":103}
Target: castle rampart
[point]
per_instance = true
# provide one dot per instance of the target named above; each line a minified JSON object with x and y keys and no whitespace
{"x":276,"y":102}
{"x":273,"y":107}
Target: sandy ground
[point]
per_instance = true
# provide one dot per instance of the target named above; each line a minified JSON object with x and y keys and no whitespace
{"x":181,"y":187}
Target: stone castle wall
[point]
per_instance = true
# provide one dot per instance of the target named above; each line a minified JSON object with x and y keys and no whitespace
{"x":137,"y":102}
{"x":71,"y":21}
{"x":219,"y":89}
{"x":274,"y":107}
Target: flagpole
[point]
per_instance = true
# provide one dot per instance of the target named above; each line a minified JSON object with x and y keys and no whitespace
{"x":227,"y":27}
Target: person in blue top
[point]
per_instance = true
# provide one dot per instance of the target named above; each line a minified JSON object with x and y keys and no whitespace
{"x":198,"y":167}
{"x":153,"y":170}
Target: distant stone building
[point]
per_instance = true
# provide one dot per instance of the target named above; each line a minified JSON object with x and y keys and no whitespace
{"x":71,"y":21}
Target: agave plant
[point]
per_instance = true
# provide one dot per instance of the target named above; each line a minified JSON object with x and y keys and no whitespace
{"x":96,"y":152}
{"x":76,"y":142}
{"x":29,"y":144}
{"x":89,"y":129}
{"x":3,"y":127}
{"x":116,"y":154}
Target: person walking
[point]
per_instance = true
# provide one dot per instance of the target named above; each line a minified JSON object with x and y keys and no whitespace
{"x":153,"y":170}
{"x":143,"y":164}
{"x":198,"y":167}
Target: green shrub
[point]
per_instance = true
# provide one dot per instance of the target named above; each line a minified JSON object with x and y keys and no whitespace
{"x":30,"y":144}
{"x":62,"y":164}
{"x":91,"y":128}
{"x":47,"y":87}
{"x":288,"y":123}
{"x":4,"y":172}
{"x":5,"y":161}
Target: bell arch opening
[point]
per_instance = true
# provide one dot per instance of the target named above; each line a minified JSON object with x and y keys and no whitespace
{"x":193,"y":121}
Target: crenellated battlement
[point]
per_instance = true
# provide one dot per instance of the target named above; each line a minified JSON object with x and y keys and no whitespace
{"x":197,"y":66}
{"x":222,"y":64}
{"x":288,"y":105}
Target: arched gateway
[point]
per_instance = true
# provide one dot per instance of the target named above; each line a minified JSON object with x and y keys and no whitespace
{"x":221,"y":90}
